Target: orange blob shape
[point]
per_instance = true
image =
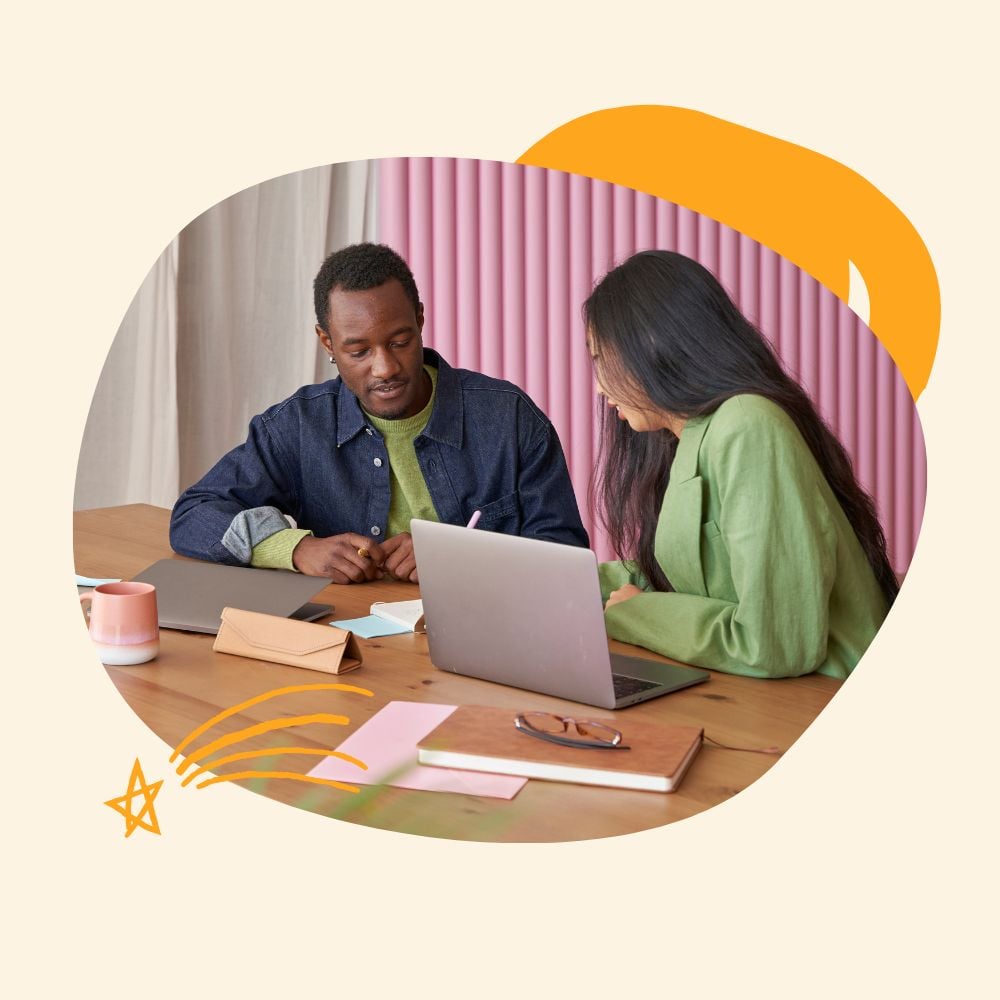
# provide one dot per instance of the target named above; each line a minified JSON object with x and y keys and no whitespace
{"x":810,"y":209}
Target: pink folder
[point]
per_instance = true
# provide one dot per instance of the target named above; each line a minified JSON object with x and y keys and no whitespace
{"x":387,"y":743}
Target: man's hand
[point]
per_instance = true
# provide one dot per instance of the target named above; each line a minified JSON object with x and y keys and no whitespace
{"x":339,"y":558}
{"x":622,"y":594}
{"x":399,"y":560}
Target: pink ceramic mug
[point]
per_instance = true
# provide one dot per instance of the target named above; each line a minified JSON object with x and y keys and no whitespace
{"x":123,"y":622}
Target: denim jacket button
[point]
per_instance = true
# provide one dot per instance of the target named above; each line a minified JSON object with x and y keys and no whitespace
{"x":378,"y":463}
{"x":376,"y":530}
{"x":369,"y":431}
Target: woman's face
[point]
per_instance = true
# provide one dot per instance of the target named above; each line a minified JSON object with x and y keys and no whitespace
{"x":630,"y":403}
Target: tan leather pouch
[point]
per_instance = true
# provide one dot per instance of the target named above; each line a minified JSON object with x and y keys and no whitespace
{"x":283,"y":640}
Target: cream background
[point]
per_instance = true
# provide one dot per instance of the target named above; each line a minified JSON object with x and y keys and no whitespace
{"x":864,"y":862}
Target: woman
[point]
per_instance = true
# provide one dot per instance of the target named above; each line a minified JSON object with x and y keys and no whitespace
{"x":752,"y":547}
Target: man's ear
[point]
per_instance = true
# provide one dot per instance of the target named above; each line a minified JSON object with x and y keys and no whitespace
{"x":324,"y":339}
{"x":420,"y":317}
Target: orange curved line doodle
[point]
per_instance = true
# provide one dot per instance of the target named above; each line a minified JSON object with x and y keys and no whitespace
{"x":262,"y":727}
{"x":289,"y":775}
{"x":225,"y":713}
{"x":810,"y":209}
{"x":272,"y":752}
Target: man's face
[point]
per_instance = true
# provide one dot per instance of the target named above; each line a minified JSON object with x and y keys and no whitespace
{"x":374,"y":337}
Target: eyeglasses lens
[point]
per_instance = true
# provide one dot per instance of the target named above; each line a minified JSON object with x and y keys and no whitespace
{"x":544,"y":722}
{"x":596,"y":732}
{"x":583,"y":730}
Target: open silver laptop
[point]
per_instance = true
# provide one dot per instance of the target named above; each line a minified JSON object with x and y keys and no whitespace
{"x":528,"y":613}
{"x":190,"y":594}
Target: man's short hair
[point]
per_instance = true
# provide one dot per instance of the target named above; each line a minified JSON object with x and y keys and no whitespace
{"x":356,"y":269}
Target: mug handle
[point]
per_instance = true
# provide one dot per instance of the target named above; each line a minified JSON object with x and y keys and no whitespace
{"x":87,"y":596}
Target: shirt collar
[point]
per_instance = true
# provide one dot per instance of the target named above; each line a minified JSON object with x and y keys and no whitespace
{"x":685,"y":463}
{"x":447,"y":418}
{"x":445,"y":424}
{"x":350,"y":420}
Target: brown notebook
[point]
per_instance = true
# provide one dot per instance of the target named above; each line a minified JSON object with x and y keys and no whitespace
{"x":473,"y":738}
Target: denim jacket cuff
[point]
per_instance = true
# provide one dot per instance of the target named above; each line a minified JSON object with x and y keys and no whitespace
{"x":250,"y":528}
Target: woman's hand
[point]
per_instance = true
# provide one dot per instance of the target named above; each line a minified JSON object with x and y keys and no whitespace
{"x":622,"y":594}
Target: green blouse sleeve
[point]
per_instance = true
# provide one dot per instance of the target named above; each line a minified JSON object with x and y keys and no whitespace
{"x":614,"y":575}
{"x":781,"y":545}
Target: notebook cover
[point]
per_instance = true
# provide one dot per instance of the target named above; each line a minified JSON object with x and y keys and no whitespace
{"x":387,"y":743}
{"x":656,"y":751}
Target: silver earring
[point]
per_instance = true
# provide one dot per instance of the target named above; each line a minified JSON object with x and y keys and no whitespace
{"x":332,"y":362}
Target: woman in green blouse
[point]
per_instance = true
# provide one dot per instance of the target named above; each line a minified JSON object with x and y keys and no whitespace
{"x":749,"y":545}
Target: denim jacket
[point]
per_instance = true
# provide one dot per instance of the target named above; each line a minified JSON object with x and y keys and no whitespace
{"x":486,"y":447}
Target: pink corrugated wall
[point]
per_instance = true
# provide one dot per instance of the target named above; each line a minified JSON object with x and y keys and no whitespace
{"x":505,"y":255}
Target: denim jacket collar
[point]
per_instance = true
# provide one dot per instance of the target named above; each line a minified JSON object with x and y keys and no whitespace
{"x":445,"y":425}
{"x":448,"y":416}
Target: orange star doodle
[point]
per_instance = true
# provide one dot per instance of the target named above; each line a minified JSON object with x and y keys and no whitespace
{"x":137,"y":787}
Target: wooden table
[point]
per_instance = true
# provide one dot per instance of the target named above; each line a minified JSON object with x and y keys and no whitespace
{"x":189,"y":683}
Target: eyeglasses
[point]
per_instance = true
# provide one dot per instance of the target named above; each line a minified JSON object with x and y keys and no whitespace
{"x":592,"y":735}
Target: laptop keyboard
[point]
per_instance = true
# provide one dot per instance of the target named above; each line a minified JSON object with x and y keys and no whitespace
{"x":626,"y":686}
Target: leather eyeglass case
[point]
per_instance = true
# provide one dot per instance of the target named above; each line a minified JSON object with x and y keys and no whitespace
{"x":283,"y":640}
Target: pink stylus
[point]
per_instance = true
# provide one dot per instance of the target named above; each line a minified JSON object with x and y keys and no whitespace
{"x":474,"y":520}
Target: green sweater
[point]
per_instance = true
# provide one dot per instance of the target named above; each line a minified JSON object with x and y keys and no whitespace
{"x":408,"y":498}
{"x":769,"y":578}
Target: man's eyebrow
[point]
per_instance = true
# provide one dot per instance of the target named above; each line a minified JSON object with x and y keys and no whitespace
{"x":407,"y":329}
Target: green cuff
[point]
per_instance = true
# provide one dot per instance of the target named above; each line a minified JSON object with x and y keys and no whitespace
{"x":613,"y":575}
{"x":275,"y":552}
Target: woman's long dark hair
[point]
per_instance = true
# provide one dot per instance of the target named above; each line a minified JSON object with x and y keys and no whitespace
{"x":665,"y":331}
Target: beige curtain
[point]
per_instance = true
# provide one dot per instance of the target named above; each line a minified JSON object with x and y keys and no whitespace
{"x":221,"y":328}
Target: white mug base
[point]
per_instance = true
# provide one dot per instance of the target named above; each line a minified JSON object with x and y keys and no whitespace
{"x":127,"y":656}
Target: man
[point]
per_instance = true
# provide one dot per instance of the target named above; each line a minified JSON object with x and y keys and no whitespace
{"x":399,"y":434}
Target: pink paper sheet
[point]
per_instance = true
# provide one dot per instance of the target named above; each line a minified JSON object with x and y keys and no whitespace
{"x":387,"y":743}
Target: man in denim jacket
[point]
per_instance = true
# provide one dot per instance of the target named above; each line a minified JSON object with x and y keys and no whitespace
{"x":399,"y":434}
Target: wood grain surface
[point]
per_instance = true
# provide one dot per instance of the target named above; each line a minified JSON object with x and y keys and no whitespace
{"x":188,"y":683}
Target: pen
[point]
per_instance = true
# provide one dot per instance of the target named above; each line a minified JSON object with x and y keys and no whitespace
{"x":474,"y":519}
